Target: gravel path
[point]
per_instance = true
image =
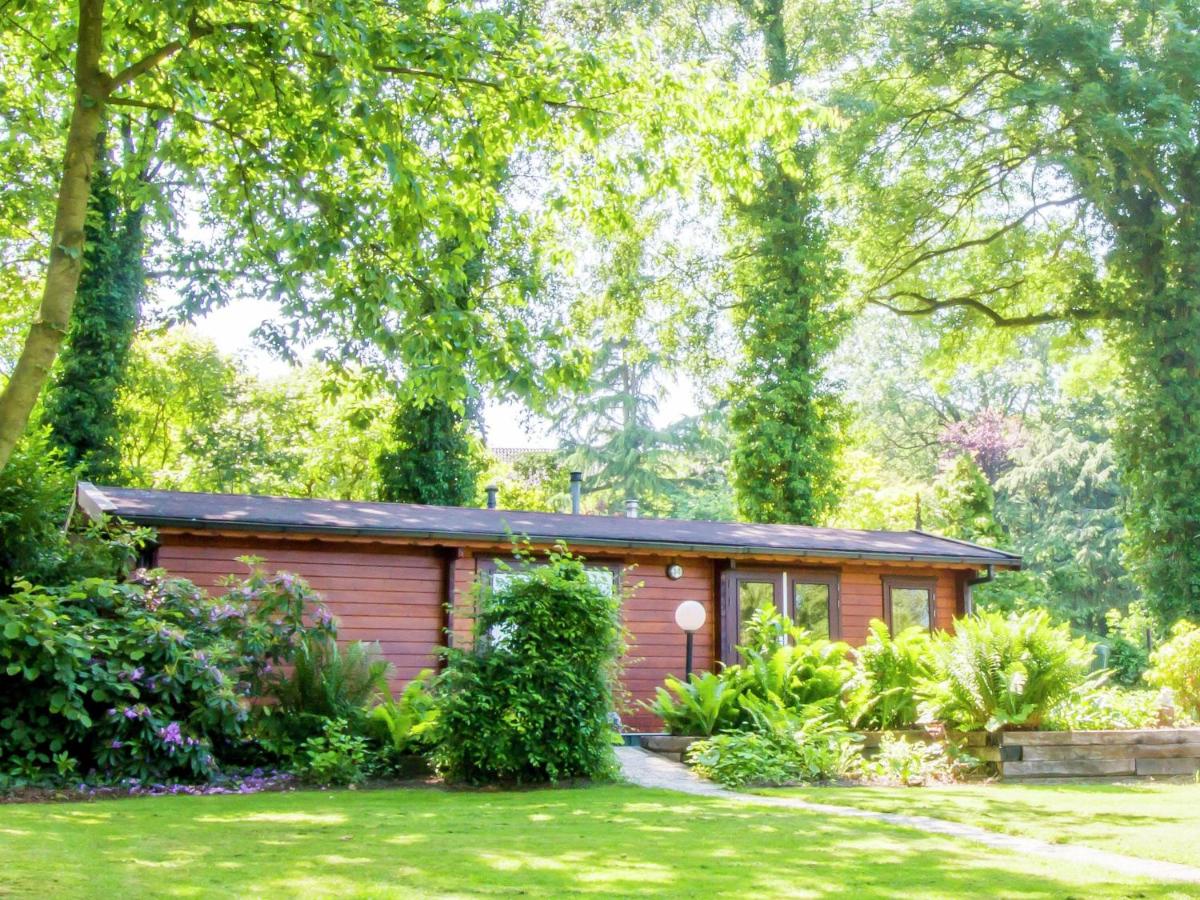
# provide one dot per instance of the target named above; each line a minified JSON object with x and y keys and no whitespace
{"x":647,"y":769}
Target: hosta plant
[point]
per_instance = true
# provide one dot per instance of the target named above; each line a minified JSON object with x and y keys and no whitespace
{"x":996,"y":672}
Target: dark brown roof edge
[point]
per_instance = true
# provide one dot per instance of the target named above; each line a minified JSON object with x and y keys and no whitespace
{"x":96,"y":504}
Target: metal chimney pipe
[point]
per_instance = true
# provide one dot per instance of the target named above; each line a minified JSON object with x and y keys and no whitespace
{"x":576,"y":491}
{"x":492,"y":493}
{"x":631,"y":508}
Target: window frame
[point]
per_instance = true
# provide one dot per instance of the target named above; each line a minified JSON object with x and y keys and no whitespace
{"x":485,"y":567}
{"x":911,"y":582}
{"x":829,"y":577}
{"x":731,"y":613}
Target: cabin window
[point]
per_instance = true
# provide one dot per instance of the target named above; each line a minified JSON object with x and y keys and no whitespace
{"x":603,"y":577}
{"x":908,"y":602}
{"x":815,"y":602}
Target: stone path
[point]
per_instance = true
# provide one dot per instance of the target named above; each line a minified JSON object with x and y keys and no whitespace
{"x":647,"y":769}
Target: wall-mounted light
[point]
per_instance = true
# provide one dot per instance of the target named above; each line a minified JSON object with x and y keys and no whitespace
{"x":690,"y":616}
{"x":674,"y":571}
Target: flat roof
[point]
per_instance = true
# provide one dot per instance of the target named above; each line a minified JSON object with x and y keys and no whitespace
{"x":182,"y":509}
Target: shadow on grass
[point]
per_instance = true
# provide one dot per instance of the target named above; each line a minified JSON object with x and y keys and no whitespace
{"x":608,"y":841}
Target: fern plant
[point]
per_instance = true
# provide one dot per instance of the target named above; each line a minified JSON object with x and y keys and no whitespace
{"x":883,"y":692}
{"x":791,"y":668}
{"x":328,"y":681}
{"x":996,"y":672}
{"x":403,"y":725}
{"x":702,"y":705}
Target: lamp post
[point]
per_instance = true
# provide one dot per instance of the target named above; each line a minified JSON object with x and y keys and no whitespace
{"x":689,"y":616}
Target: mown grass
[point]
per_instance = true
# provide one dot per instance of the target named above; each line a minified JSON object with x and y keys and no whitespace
{"x":605,"y":841}
{"x":1155,"y":821}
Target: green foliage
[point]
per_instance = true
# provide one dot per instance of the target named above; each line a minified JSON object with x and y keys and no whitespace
{"x":785,"y":420}
{"x":996,"y":672}
{"x":788,"y":667}
{"x":531,"y":700}
{"x":784,"y":748}
{"x":883,"y":691}
{"x":406,"y":725}
{"x":148,"y":679}
{"x":327,"y":681}
{"x":36,"y":489}
{"x":1127,"y":639}
{"x":703,"y":705}
{"x":1098,"y":706}
{"x":434,"y":459}
{"x":1176,"y":665}
{"x":963,"y":504}
{"x":336,"y":756}
{"x":82,"y":406}
{"x":904,"y":762}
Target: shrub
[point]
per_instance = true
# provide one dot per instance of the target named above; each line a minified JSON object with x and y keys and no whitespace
{"x":1128,"y":655}
{"x":333,"y":757}
{"x":883,"y":692}
{"x":1176,"y":665}
{"x":531,"y":700}
{"x":703,"y":705}
{"x":784,"y":748}
{"x":150,"y":679}
{"x":1097,"y":706}
{"x":36,"y":487}
{"x":996,"y":672}
{"x":900,"y":761}
{"x":325,"y":682}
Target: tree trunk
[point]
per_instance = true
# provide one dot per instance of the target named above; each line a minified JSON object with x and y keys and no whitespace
{"x":66,"y":245}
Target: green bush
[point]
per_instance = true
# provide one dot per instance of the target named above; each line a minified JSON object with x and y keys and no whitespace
{"x":783,"y":747}
{"x":1176,"y":665}
{"x":883,"y":691}
{"x":36,"y":487}
{"x":531,"y":700}
{"x":899,"y":761}
{"x":996,"y":672}
{"x":1097,"y":706}
{"x":1128,"y":656}
{"x":334,"y":757}
{"x":703,"y":705}
{"x":147,"y":679}
{"x":325,"y":681}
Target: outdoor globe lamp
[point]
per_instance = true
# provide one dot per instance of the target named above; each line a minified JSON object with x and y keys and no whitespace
{"x":689,"y":616}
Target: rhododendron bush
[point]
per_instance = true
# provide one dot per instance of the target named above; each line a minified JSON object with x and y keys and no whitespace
{"x":149,"y":678}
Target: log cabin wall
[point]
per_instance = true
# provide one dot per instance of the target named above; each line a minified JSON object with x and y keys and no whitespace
{"x":396,"y":593}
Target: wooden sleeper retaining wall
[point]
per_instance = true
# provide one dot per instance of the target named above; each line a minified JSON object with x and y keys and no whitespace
{"x":1140,"y":753}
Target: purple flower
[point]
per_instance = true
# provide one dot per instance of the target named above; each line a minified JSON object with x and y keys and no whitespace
{"x":171,"y":734}
{"x":323,"y":617}
{"x":116,"y":745}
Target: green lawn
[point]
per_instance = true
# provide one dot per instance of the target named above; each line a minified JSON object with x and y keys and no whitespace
{"x":612,"y":841}
{"x":1156,"y":821}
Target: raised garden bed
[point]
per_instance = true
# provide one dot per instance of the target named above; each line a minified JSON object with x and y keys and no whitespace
{"x":1141,"y":753}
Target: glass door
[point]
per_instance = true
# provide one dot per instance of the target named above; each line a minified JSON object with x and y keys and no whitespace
{"x":745,"y":592}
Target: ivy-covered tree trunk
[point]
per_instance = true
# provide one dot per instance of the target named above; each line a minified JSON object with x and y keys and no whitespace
{"x":81,"y":410}
{"x":67,"y":239}
{"x":1159,"y":432}
{"x":433,"y":461}
{"x":784,"y":419}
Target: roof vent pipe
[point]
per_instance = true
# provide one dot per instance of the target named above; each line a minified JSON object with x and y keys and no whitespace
{"x":631,"y":508}
{"x":492,"y":493}
{"x":576,"y":491}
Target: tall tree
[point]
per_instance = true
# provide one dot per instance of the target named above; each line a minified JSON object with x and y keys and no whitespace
{"x":82,"y":407}
{"x":435,"y":458}
{"x":785,"y":416}
{"x":1034,"y":163}
{"x":328,"y":147}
